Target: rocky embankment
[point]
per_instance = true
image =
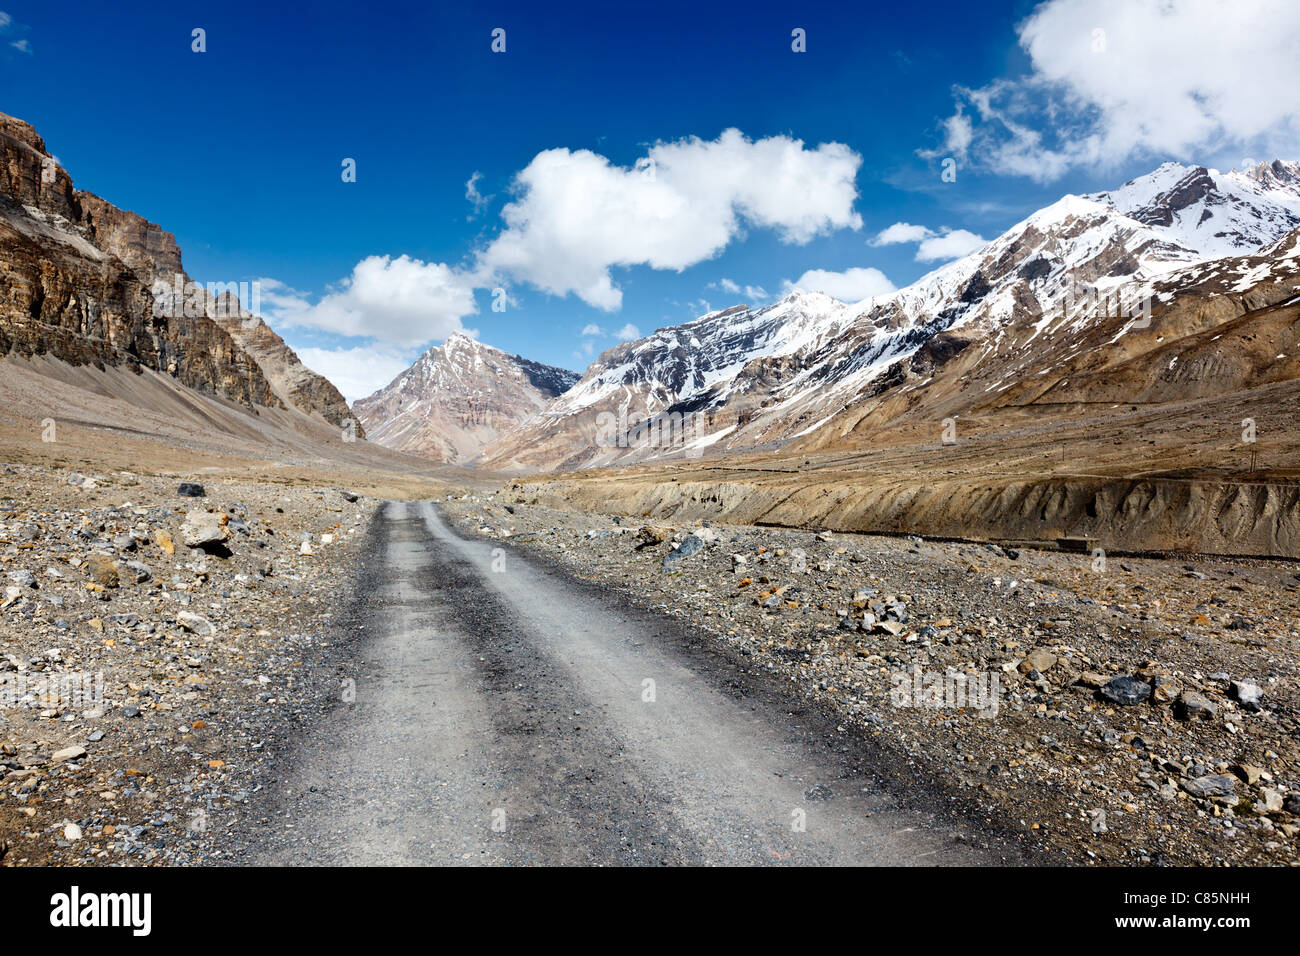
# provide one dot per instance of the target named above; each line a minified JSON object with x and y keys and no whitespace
{"x":158,"y":639}
{"x":1117,"y":711}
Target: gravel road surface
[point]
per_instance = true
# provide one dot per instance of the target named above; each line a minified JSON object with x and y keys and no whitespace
{"x":509,"y":714}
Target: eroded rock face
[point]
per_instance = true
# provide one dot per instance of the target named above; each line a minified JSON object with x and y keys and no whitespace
{"x":294,"y":383}
{"x":77,"y":281}
{"x":29,"y":175}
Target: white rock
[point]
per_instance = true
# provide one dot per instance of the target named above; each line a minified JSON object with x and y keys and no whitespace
{"x":69,"y":753}
{"x":195,"y":623}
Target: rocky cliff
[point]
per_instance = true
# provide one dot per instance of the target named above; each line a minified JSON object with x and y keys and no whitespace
{"x":79,"y":277}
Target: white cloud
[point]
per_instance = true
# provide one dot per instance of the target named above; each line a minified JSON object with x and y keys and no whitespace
{"x":357,"y":372}
{"x":946,"y":243}
{"x":950,"y":244}
{"x":851,"y":285}
{"x":577,"y":216}
{"x":278,"y":299}
{"x":22,"y":44}
{"x":402,"y":301}
{"x":476,"y":198}
{"x":627,"y":332}
{"x":591,"y":328}
{"x":1112,"y":80}
{"x":754,"y":293}
{"x":901,"y":232}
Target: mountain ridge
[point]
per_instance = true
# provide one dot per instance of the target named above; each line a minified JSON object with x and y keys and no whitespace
{"x":457,"y":397}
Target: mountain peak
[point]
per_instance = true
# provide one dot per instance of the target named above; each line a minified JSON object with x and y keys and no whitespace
{"x":457,"y":397}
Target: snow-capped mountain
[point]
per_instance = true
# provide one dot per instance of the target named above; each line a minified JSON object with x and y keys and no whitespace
{"x":762,"y":377}
{"x":457,"y":397}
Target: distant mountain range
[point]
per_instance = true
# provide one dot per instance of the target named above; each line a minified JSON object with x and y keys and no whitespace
{"x":1016,"y":310}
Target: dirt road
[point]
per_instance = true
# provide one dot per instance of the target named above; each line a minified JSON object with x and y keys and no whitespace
{"x":508,"y":714}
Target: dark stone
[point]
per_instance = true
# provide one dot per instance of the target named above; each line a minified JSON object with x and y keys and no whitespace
{"x":1125,"y":691}
{"x":1211,"y":785}
{"x":191,"y":489}
{"x":690,"y":545}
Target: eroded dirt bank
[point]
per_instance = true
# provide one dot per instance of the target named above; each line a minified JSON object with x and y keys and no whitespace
{"x":1245,"y":518}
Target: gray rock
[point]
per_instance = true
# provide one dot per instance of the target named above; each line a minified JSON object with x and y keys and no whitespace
{"x":195,"y":623}
{"x":203,"y":529}
{"x":691,"y":544}
{"x":191,"y":489}
{"x":1248,"y":694}
{"x":1210,"y":786}
{"x":1125,"y":691}
{"x":23,"y":579}
{"x":1195,"y":706}
{"x":141,"y":571}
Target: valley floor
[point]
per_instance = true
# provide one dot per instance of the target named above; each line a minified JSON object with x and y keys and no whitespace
{"x":282,"y":703}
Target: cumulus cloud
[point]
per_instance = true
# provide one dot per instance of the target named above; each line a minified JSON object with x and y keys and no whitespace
{"x":901,"y":232}
{"x":357,"y":372}
{"x":577,"y":215}
{"x":1112,"y":80}
{"x":944,"y":244}
{"x":851,"y":285}
{"x":402,"y":301}
{"x":574,"y":217}
{"x":950,"y":244}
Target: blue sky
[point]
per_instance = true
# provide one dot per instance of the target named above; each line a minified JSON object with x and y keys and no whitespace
{"x":238,"y":150}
